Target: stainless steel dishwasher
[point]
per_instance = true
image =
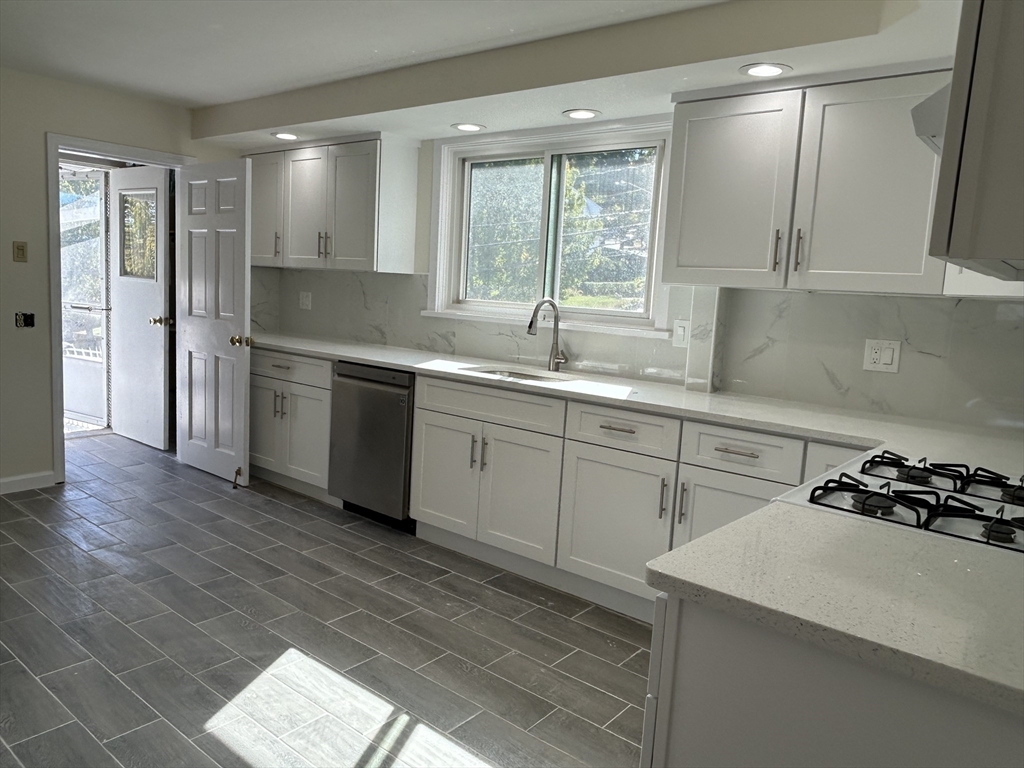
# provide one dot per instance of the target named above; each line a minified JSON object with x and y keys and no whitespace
{"x":371,"y":438}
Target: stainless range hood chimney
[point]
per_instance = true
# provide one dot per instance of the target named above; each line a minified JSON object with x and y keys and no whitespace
{"x":930,"y":119}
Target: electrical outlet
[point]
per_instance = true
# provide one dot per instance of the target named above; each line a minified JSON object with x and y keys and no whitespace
{"x":881,"y":355}
{"x":681,"y":333}
{"x":305,"y":300}
{"x":24,"y":320}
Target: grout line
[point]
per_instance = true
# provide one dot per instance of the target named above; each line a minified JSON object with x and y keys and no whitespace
{"x":112,"y":738}
{"x":605,"y":726}
{"x":50,"y":730}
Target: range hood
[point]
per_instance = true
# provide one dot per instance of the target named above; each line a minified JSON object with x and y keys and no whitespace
{"x":930,"y":119}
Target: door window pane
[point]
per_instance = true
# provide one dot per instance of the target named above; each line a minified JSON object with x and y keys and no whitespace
{"x":503,"y":259}
{"x":138,"y":233}
{"x":81,"y":239}
{"x":604,"y":249}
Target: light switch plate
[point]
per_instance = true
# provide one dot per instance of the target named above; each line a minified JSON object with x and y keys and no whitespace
{"x":881,"y":355}
{"x":20,"y":250}
{"x":305,"y":300}
{"x":681,"y":333}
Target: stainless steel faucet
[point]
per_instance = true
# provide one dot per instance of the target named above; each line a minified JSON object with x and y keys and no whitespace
{"x":557,"y":356}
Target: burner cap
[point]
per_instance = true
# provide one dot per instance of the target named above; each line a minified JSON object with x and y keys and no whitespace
{"x":873,"y":504}
{"x":914,"y":474}
{"x":1000,"y":532}
{"x":1013,"y":495}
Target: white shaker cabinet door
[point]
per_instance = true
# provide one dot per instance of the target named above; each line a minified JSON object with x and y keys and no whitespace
{"x":520,"y":476}
{"x":730,"y":198}
{"x":305,"y":211}
{"x":709,"y":499}
{"x":352,"y":175}
{"x":864,"y":191}
{"x":265,"y":422}
{"x":445,"y":488}
{"x":267,"y":222}
{"x":306,"y":432}
{"x":616,"y":514}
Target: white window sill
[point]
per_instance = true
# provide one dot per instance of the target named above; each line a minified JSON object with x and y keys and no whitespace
{"x":645,"y":332}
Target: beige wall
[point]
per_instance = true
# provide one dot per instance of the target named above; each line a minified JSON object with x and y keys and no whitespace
{"x":31,"y":106}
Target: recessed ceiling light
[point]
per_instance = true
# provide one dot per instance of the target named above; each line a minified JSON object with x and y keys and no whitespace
{"x":581,"y":114}
{"x":285,"y":136}
{"x":468,"y":127}
{"x":765,"y":70}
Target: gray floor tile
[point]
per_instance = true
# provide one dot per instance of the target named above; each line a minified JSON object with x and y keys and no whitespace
{"x":189,"y":511}
{"x":493,"y":693}
{"x":369,"y":598}
{"x":328,"y":512}
{"x":322,"y":641}
{"x":327,"y":742}
{"x":13,"y":605}
{"x":84,"y":534}
{"x":116,"y":457}
{"x":539,"y":594}
{"x":187,"y":564}
{"x":435,"y":704}
{"x":113,"y":644}
{"x":183,"y":642}
{"x":244,"y":744}
{"x":96,"y":511}
{"x":262,"y":697}
{"x":585,"y":741}
{"x":275,"y":492}
{"x":122,"y":598}
{"x":192,"y":602}
{"x":387,"y":535}
{"x":239,"y":535}
{"x":350,"y":563}
{"x":486,"y":597}
{"x":5,"y":539}
{"x":57,"y":599}
{"x":7,"y":758}
{"x":416,"y":743}
{"x":505,"y":744}
{"x":234,"y":511}
{"x":289,"y":535}
{"x":282,"y":512}
{"x":296,"y":563}
{"x":180,"y":698}
{"x":559,"y":688}
{"x":190,"y":491}
{"x":384,"y":637}
{"x":425,"y":596}
{"x":406,"y":563}
{"x":458,"y":563}
{"x":10,"y":511}
{"x":104,"y":491}
{"x":247,"y":598}
{"x":606,"y":676}
{"x":130,"y":563}
{"x":631,"y":630}
{"x":63,"y":492}
{"x":110,"y":473}
{"x":70,"y":746}
{"x":5,"y":654}
{"x":18,"y":565}
{"x":243,"y":564}
{"x":350,"y":702}
{"x":47,"y":510}
{"x":76,"y":475}
{"x":629,"y":725}
{"x":26,"y":707}
{"x":639,"y":663}
{"x":579,"y":635}
{"x":157,"y":745}
{"x":247,"y":638}
{"x":453,"y":637}
{"x":527,"y":641}
{"x":189,"y":536}
{"x":341,"y":537}
{"x":32,"y":535}
{"x":145,"y":496}
{"x":308,"y":598}
{"x":105,"y":706}
{"x":73,"y":564}
{"x":140,"y":536}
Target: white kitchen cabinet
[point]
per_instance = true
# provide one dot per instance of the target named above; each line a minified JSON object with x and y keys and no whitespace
{"x":730,"y":198}
{"x":445,"y":481}
{"x":290,"y":429}
{"x":822,"y":458}
{"x":709,"y":499}
{"x":616,"y":514}
{"x":305,"y":207}
{"x":264,"y":422}
{"x":864,"y":190}
{"x":968,"y":282}
{"x":351,"y":239}
{"x":267,"y":222}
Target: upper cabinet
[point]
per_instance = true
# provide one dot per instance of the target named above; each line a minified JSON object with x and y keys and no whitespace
{"x":348,"y":205}
{"x":827,"y":188}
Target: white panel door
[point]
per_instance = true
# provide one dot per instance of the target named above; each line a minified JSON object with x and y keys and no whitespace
{"x":306,"y":432}
{"x":267,"y":209}
{"x":730,"y":199}
{"x":446,"y":471}
{"x":865,"y":189}
{"x":265,"y":422}
{"x":616,"y":514}
{"x":352,"y":183}
{"x":140,"y":320}
{"x":213,"y":318}
{"x":521,"y":473}
{"x":709,"y":499}
{"x":305,"y":209}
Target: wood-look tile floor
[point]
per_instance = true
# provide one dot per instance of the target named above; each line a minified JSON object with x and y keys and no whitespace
{"x":152,"y":616}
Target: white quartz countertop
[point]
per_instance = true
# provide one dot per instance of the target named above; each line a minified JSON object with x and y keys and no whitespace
{"x":1001,"y":450}
{"x":921,"y":605}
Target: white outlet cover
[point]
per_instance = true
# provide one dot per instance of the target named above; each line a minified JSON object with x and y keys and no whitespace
{"x":882,"y":355}
{"x":305,"y":300}
{"x":681,"y":333}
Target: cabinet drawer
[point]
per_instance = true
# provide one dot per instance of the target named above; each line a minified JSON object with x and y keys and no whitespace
{"x":625,"y":430}
{"x":746,"y":453}
{"x":301,"y":370}
{"x":498,"y":406}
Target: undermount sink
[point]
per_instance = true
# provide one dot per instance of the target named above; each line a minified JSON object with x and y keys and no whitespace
{"x":523,"y":375}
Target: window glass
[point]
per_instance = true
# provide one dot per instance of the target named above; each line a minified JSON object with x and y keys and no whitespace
{"x":81,"y":239}
{"x":503,"y":256}
{"x":138,"y":233}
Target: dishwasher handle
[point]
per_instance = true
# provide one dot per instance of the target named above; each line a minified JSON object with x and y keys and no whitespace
{"x":344,"y":370}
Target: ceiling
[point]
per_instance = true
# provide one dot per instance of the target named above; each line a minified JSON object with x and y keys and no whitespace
{"x":198,"y":52}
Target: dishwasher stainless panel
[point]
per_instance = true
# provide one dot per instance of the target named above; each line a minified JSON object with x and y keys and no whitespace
{"x":371,"y":438}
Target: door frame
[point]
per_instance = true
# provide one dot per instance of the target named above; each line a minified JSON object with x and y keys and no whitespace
{"x":55,"y":143}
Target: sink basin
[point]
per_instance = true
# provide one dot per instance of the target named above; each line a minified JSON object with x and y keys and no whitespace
{"x":517,"y":374}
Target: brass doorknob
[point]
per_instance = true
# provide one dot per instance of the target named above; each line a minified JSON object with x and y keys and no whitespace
{"x":235,"y":341}
{"x":156,"y":321}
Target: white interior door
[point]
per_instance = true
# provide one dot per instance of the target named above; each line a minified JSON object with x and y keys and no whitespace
{"x":213,"y":317}
{"x":139,"y":301}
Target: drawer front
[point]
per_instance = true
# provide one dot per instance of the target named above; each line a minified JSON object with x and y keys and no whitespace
{"x":497,"y":406}
{"x":625,"y":430}
{"x":822,"y":458}
{"x":754,"y":454}
{"x":301,"y":370}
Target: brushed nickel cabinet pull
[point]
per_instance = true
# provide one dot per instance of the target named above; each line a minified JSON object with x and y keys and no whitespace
{"x":319,"y":244}
{"x":613,"y":428}
{"x":483,"y":454}
{"x":661,"y":499}
{"x":276,"y":395}
{"x":775,"y":258}
{"x":283,"y":414}
{"x":734,"y":452}
{"x":472,"y":451}
{"x":327,"y":245}
{"x":277,"y":244}
{"x":682,"y":494}
{"x":796,"y":259}
{"x":282,"y":367}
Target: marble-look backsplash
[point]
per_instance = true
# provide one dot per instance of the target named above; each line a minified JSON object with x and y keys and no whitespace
{"x":962,"y":360}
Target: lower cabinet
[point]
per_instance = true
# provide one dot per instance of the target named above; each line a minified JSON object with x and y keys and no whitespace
{"x":711,"y":499}
{"x":492,"y":483}
{"x":290,"y":428}
{"x":616,"y":514}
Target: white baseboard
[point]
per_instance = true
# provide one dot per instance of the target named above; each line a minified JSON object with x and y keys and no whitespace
{"x":27,"y":482}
